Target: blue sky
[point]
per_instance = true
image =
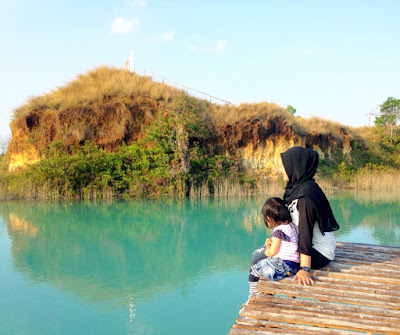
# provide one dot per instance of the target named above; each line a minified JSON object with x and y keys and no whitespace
{"x":337,"y":60}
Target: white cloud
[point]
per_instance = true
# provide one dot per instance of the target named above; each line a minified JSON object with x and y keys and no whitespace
{"x":167,"y":37}
{"x":219,"y":47}
{"x":136,"y":3}
{"x":123,"y":25}
{"x":170,"y":36}
{"x":140,"y":3}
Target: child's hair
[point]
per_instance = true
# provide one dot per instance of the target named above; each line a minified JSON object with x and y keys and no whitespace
{"x":275,"y":209}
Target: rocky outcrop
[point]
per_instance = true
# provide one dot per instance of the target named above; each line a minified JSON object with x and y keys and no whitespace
{"x":109,"y":124}
{"x":20,"y":151}
{"x":259,"y":143}
{"x":111,"y":119}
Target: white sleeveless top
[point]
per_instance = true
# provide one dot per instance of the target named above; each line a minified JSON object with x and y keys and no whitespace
{"x":324,"y":244}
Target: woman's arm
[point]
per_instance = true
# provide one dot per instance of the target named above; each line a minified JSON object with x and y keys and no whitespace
{"x":274,"y":248}
{"x":307,"y":219}
{"x":304,"y":277}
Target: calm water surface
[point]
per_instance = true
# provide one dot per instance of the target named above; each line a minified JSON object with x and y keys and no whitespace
{"x":146,"y":267}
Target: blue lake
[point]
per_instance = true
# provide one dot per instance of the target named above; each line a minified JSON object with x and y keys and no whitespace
{"x":147,"y":267}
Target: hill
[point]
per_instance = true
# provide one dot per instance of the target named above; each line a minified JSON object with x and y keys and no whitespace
{"x":150,"y":136}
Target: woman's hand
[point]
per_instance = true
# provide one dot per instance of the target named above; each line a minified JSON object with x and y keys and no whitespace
{"x":303,"y":278}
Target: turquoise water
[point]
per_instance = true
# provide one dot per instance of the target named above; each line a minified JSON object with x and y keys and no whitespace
{"x":146,"y":267}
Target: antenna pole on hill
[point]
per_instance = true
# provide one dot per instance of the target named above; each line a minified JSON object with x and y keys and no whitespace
{"x":129,"y":62}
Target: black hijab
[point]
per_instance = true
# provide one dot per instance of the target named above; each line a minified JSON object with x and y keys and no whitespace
{"x":300,"y":165}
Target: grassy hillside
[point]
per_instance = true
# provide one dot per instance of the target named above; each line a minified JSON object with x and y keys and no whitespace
{"x":114,"y":133}
{"x":103,"y":84}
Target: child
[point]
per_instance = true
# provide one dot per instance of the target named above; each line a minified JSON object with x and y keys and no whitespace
{"x":281,"y":250}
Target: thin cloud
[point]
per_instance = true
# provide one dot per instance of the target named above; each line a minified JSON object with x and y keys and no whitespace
{"x":122,"y":25}
{"x":136,"y":3}
{"x":140,"y":3}
{"x":219,"y":47}
{"x":167,"y":37}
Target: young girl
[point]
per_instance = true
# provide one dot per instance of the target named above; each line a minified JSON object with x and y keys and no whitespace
{"x":281,"y":250}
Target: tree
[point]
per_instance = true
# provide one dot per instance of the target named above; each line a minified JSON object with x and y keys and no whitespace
{"x":390,"y":116}
{"x":291,"y":109}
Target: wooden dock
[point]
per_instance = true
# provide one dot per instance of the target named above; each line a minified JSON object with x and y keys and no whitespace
{"x":358,"y":293}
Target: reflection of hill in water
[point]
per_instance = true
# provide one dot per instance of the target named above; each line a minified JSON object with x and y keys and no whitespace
{"x":108,"y":251}
{"x":377,"y":212}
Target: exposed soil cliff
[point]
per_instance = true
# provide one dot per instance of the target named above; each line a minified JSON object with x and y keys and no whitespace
{"x":259,"y":143}
{"x":108,"y":125}
{"x":110,"y":119}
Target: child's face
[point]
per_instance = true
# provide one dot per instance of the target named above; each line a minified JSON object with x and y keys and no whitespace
{"x":270,"y":222}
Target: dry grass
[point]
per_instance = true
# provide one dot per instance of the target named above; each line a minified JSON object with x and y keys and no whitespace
{"x":264,"y":111}
{"x":98,"y":84}
{"x":227,"y":188}
{"x":103,"y":83}
{"x":323,"y":126}
{"x":377,"y":179}
{"x":365,"y":132}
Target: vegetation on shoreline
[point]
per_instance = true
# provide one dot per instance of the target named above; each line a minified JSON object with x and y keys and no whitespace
{"x":176,"y":154}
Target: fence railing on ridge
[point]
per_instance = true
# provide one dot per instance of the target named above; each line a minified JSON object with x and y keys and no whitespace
{"x":186,"y":87}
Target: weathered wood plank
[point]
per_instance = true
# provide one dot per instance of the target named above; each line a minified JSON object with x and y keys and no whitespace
{"x":368,"y":247}
{"x":316,"y":304}
{"x":284,"y":287}
{"x":355,"y":283}
{"x":384,"y":271}
{"x":236,"y":330}
{"x":322,"y":294}
{"x":293,"y":327}
{"x":357,"y":293}
{"x":291,"y":308}
{"x":351,"y":276}
{"x":249,"y":329}
{"x":388,"y":289}
{"x":369,"y":264}
{"x":320,"y":320}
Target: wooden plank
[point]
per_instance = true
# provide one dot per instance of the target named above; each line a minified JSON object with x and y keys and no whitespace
{"x":320,"y":320}
{"x":338,"y":290}
{"x":323,"y":294}
{"x":356,"y":284}
{"x":372,"y":265}
{"x":386,"y":271}
{"x":316,"y":304}
{"x":250,"y":330}
{"x":357,"y":293}
{"x":368,"y":257}
{"x":300,"y":329}
{"x":349,"y":313}
{"x":242,"y":330}
{"x":334,"y":283}
{"x":351,"y":276}
{"x":368,"y":247}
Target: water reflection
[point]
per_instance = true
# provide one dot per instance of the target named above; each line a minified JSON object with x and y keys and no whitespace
{"x":107,"y":252}
{"x":124,"y":254}
{"x":375,"y":215}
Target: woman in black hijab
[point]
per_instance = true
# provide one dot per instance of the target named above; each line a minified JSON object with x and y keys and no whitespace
{"x":310,"y":211}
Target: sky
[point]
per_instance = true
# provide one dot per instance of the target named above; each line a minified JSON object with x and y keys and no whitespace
{"x":337,"y":60}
